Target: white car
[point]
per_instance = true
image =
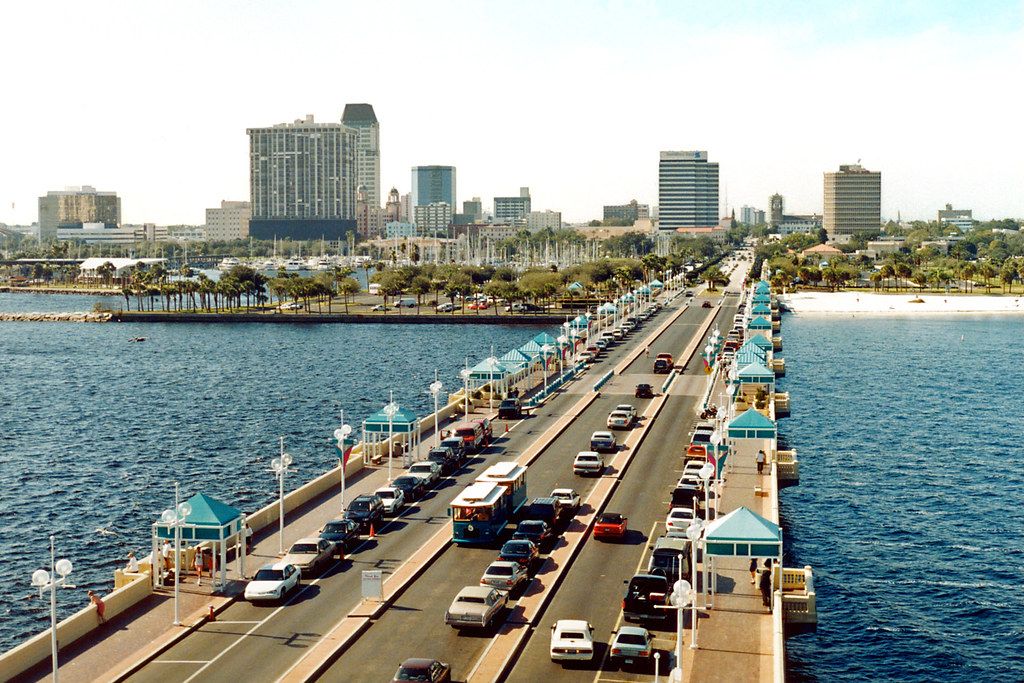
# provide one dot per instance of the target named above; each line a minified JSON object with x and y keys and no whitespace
{"x":291,"y":306}
{"x":572,"y":640}
{"x":446,"y":307}
{"x":567,"y":499}
{"x":627,"y":408}
{"x":619,"y":419}
{"x":584,"y":357}
{"x":677,"y":520}
{"x":504,"y":576}
{"x":393,"y":499}
{"x":588,"y":462}
{"x":272,"y":582}
{"x":429,"y":471}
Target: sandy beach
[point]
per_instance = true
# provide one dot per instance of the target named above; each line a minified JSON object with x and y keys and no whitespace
{"x":870,"y":303}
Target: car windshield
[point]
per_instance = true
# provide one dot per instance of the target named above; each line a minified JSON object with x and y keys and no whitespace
{"x":516,"y":547}
{"x":410,"y":673}
{"x":473,"y":599}
{"x":500,"y":570}
{"x":610,"y":519}
{"x":631,"y":639}
{"x":303,"y":548}
{"x":359,"y":505}
{"x":403,"y":481}
{"x":335,"y":527}
{"x":269,"y":575}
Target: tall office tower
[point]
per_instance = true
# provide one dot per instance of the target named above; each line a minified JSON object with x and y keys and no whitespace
{"x":405,"y":205}
{"x":73,"y":207}
{"x":687,"y":191}
{"x":751,"y":216}
{"x":473,"y":209}
{"x":360,"y":117}
{"x":433,"y":184}
{"x":513,"y":210}
{"x":393,"y":209}
{"x":302,"y":180}
{"x":853,"y":201}
{"x":776,"y":209}
{"x":229,"y":222}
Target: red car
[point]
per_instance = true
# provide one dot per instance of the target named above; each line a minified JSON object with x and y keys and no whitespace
{"x":610,"y":525}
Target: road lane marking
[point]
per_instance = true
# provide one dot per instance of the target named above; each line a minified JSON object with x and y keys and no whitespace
{"x":180,"y":661}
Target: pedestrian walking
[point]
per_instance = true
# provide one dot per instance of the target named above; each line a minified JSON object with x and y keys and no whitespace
{"x":760,"y":462}
{"x":198,"y":563}
{"x":133,"y":564}
{"x":753,"y":570}
{"x":766,"y":587}
{"x":248,"y":539}
{"x":101,"y":607}
{"x":647,"y":351}
{"x":165,"y":551}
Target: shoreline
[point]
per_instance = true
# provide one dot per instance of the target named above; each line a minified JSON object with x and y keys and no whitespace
{"x":904,"y":303}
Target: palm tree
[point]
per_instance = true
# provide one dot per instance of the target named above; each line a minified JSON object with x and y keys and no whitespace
{"x":987,"y":271}
{"x":903,"y":270}
{"x":347,"y":287}
{"x":968,"y":272}
{"x":419,"y":286}
{"x":886,"y":273}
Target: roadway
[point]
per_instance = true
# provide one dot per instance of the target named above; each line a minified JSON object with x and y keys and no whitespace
{"x":414,"y":625}
{"x":275,"y":637}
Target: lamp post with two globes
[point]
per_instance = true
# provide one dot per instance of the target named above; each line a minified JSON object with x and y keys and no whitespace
{"x":341,"y":434}
{"x":391,"y":409}
{"x":435,"y":391}
{"x":175,"y":518}
{"x":48,"y":581}
{"x":279,"y":466}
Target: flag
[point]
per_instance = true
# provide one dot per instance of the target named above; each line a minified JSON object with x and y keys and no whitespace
{"x":345,"y":449}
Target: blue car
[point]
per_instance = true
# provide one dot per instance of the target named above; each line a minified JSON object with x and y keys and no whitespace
{"x":603,"y":442}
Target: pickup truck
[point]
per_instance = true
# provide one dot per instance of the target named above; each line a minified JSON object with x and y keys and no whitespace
{"x":475,"y":606}
{"x":645,"y":595}
{"x":663,"y":364}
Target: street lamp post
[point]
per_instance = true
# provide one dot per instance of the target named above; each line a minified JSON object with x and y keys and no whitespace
{"x":391,"y":409}
{"x":705,"y":473}
{"x":693,"y":533}
{"x":48,"y":581}
{"x":176,"y":518}
{"x":435,"y":391}
{"x":544,"y":351}
{"x":563,"y":343}
{"x":341,"y":434}
{"x":682,"y":593}
{"x":279,"y":466}
{"x":465,"y":373}
{"x":492,"y":362}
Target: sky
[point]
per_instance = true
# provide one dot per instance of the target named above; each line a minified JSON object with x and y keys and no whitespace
{"x":573,"y":99}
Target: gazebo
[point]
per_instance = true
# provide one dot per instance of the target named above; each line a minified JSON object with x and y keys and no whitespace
{"x":760,"y":324}
{"x":377,"y":429}
{"x":751,"y":424}
{"x":490,"y":370}
{"x":761,"y":342}
{"x":209,"y":521}
{"x":762,"y":287}
{"x":761,"y":298}
{"x":755,"y":373}
{"x":656,"y":284}
{"x":743,"y":533}
{"x":751,"y":353}
{"x":575,"y":286}
{"x":761,"y":309}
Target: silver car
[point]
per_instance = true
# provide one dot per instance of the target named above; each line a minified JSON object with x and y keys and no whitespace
{"x":309,"y":554}
{"x":475,"y":606}
{"x":429,"y":471}
{"x":504,"y":576}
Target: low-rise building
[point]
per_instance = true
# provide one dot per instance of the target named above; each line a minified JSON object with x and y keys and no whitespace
{"x":961,"y":218}
{"x":229,"y":222}
{"x":541,"y":220}
{"x":498,"y":231}
{"x":399,"y":229}
{"x":433,"y":218}
{"x":632,"y":212}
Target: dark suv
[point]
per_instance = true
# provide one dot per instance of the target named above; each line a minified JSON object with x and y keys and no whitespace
{"x":366,"y":510}
{"x":457,"y":446}
{"x":541,"y":509}
{"x":445,"y":458}
{"x":412,"y":486}
{"x":343,"y":533}
{"x":645,"y":595}
{"x":510,"y":409}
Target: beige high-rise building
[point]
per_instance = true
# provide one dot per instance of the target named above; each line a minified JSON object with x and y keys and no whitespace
{"x":853,"y":201}
{"x":76,"y":207}
{"x":229,"y":222}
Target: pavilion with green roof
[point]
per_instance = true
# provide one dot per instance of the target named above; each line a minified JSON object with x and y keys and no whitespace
{"x":743,"y":533}
{"x":751,"y":424}
{"x":208,"y":521}
{"x":378,"y":428}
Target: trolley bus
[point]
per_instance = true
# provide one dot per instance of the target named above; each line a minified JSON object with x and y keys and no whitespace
{"x":482,"y":511}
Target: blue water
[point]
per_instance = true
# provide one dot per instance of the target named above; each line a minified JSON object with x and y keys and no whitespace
{"x":909,"y":506}
{"x":95,"y":429}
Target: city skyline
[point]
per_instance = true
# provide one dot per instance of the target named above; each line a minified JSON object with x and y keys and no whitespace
{"x":189,"y":85}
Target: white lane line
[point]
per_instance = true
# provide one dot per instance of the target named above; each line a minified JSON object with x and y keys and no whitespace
{"x":618,"y":621}
{"x":180,"y":661}
{"x":220,"y":621}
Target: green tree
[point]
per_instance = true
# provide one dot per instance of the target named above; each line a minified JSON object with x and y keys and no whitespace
{"x":348,"y":287}
{"x":419,"y":286}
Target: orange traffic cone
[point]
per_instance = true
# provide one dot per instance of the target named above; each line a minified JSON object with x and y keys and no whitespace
{"x":506,"y":427}
{"x":372,"y":534}
{"x":211,"y":616}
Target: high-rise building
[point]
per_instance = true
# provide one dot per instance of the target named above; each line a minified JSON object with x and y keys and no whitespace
{"x":853,"y":201}
{"x":405,"y":206}
{"x":360,"y":117}
{"x":432,"y":184}
{"x":687,"y":191}
{"x":229,"y":222}
{"x":751,"y":216}
{"x":473,"y":209}
{"x":963,"y":219}
{"x":302,"y":180}
{"x":631,"y":212}
{"x":393,"y":209}
{"x":432,"y":218}
{"x":369,"y":218}
{"x":776,"y":208}
{"x":73,"y":207}
{"x":512,"y":210}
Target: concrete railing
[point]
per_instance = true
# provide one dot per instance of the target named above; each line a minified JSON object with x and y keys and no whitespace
{"x":799,"y":600}
{"x":604,"y":380}
{"x":781,"y":401}
{"x":788,"y":465}
{"x":777,"y":343}
{"x":778,"y":365}
{"x":778,"y":640}
{"x":37,"y":648}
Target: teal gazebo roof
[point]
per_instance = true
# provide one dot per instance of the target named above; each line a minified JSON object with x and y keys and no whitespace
{"x":579,"y":321}
{"x":759,"y":323}
{"x":488,"y":369}
{"x":762,"y":287}
{"x":743,"y":533}
{"x":545,"y":338}
{"x":750,"y":354}
{"x":209,"y":520}
{"x":755,"y":373}
{"x":657,"y":284}
{"x":515,"y":359}
{"x":608,"y":307}
{"x":530,"y":349}
{"x":404,"y":422}
{"x":575,"y":286}
{"x":751,"y":425}
{"x":762,"y":299}
{"x":761,"y":342}
{"x":761,"y":309}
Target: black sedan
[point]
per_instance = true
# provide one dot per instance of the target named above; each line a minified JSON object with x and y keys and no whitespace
{"x":522,"y":552}
{"x":343,"y":533}
{"x":412,"y":486}
{"x":644,"y":391}
{"x":533,"y":530}
{"x":429,"y":670}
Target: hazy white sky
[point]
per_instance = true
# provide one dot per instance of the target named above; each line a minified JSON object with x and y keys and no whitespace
{"x":573,"y":99}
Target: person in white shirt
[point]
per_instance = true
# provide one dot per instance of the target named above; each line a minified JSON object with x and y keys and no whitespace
{"x":166,"y":552}
{"x":133,"y":564}
{"x":760,"y":462}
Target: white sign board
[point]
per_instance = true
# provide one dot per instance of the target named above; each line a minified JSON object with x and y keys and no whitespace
{"x":373,"y":584}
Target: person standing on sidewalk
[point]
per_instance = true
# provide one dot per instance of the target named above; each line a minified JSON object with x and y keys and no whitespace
{"x":197,"y":564}
{"x":101,"y":607}
{"x":248,"y":539}
{"x":760,"y":462}
{"x":766,"y":584}
{"x":166,"y":553}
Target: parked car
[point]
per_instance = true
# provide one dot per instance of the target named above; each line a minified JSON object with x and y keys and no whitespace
{"x":572,"y":640}
{"x":457,"y":446}
{"x":510,"y":409}
{"x":523,"y":308}
{"x":272,"y":582}
{"x":631,"y":644}
{"x":309,"y":555}
{"x":343,"y":533}
{"x":504,"y":575}
{"x":379,"y":307}
{"x":367,"y":510}
{"x":411,"y":485}
{"x":475,"y":606}
{"x":706,"y":304}
{"x":405,"y":303}
{"x":645,"y":595}
{"x":444,"y":458}
{"x":479,"y":306}
{"x":688,"y":292}
{"x":619,"y":419}
{"x":611,"y":525}
{"x":430,"y":471}
{"x":603,"y":442}
{"x":533,"y":530}
{"x":588,"y":462}
{"x":523,"y":552}
{"x":567,"y":500}
{"x":393,"y":499}
{"x":446,"y":307}
{"x":664,"y":560}
{"x":677,"y":520}
{"x":584,"y":356}
{"x":544,"y":509}
{"x":291,"y":306}
{"x":644,"y":391}
{"x":429,"y":670}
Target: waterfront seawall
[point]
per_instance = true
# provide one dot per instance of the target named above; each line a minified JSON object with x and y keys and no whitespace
{"x":80,"y":317}
{"x":319,"y":318}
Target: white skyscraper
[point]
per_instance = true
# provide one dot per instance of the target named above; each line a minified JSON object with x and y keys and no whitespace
{"x":361,"y":118}
{"x":687,"y":190}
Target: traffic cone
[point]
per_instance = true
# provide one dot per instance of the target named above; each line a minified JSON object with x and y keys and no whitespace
{"x":211,"y":616}
{"x":506,"y":427}
{"x":372,"y":534}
